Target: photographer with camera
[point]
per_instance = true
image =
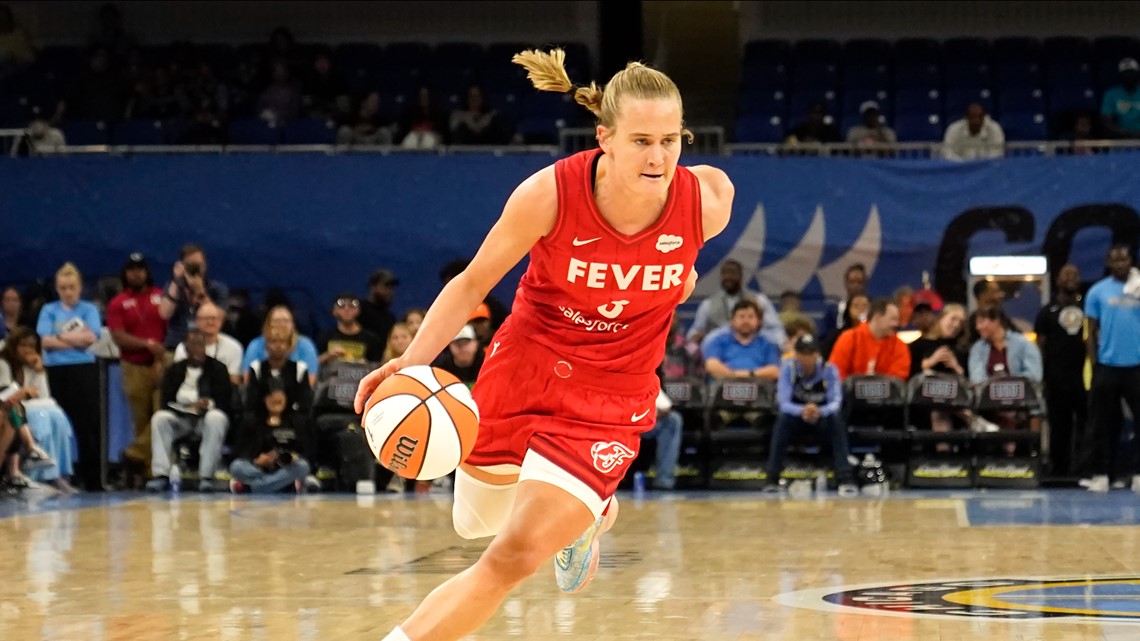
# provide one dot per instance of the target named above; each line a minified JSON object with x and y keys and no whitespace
{"x":267,"y":461}
{"x":188,"y":289}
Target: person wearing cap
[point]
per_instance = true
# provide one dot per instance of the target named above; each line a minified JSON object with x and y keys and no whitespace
{"x":463,"y":356}
{"x":873,"y":131}
{"x":376,"y":312}
{"x":138,"y":328}
{"x":809,"y":396}
{"x":1120,"y":107}
{"x":349,"y":341}
{"x":974,"y":137}
{"x":480,"y":321}
{"x":498,"y":310}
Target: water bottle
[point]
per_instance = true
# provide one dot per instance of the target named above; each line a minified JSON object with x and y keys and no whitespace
{"x":175,"y":479}
{"x":820,"y":482}
{"x":639,"y":483}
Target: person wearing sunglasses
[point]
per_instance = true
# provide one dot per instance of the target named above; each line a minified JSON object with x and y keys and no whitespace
{"x":349,"y":341}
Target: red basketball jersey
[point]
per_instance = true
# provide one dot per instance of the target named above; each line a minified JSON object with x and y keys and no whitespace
{"x":600,"y":297}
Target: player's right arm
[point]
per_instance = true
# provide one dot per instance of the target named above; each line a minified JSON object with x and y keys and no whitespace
{"x":530,"y":214}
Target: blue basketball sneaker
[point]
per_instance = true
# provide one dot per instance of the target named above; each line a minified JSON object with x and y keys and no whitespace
{"x":577,"y":563}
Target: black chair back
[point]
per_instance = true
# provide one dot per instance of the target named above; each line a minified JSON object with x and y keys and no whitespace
{"x":1007,"y":393}
{"x":743,"y":394}
{"x":939,"y":390}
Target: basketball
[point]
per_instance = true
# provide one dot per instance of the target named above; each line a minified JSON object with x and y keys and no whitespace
{"x":421,"y":423}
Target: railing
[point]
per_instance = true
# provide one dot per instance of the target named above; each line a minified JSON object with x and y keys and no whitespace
{"x":921,"y":150}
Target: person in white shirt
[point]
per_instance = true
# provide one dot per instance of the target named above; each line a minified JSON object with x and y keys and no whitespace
{"x":221,"y":346}
{"x":715,"y":312}
{"x":975,"y":137}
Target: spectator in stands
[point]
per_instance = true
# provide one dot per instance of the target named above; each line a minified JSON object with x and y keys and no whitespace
{"x":463,"y":356}
{"x":301,"y":348}
{"x":375,"y":313}
{"x":809,"y":396}
{"x":423,"y":125}
{"x":873,"y":347}
{"x":67,"y":328}
{"x":854,"y":282}
{"x":815,"y":128}
{"x":667,"y":431}
{"x":154,"y":97}
{"x":398,"y":340}
{"x":197,"y":397}
{"x":267,"y":453}
{"x":1000,"y":351}
{"x":922,"y":318}
{"x":280,"y":101}
{"x":481,"y":322}
{"x":279,"y":368}
{"x":189,"y":288}
{"x":98,"y":93}
{"x":349,"y":341}
{"x":110,"y":33}
{"x":942,"y":349}
{"x":873,"y":131}
{"x":49,"y":431}
{"x":138,"y":328}
{"x":975,"y":137}
{"x":40,"y":138}
{"x":324,"y":94}
{"x":220,"y":346}
{"x":413,"y":318}
{"x":1060,"y":329}
{"x":742,"y":352}
{"x":367,"y":127}
{"x":205,"y":126}
{"x":499,"y":311}
{"x":855,"y":311}
{"x":715,"y":311}
{"x":476,"y":123}
{"x":1120,"y":107}
{"x":201,"y":89}
{"x":1081,"y":134}
{"x":16,"y":51}
{"x":241,"y":322}
{"x":12,"y":309}
{"x":1112,"y":307}
{"x":796,"y":325}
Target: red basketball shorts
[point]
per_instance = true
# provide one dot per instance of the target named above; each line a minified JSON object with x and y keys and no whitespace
{"x":585,"y":421}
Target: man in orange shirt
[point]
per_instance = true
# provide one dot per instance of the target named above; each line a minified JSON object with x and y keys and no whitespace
{"x":872,"y":347}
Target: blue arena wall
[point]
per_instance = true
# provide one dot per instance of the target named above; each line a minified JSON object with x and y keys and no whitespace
{"x":315,"y":224}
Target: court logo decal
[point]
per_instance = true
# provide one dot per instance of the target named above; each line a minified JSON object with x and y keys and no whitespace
{"x":1103,"y":599}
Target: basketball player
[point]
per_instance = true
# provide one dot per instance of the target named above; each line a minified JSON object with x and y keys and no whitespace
{"x":569,"y":379}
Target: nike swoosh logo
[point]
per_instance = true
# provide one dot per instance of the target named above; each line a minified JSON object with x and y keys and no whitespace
{"x":638,"y":417}
{"x":494,"y":348}
{"x":579,"y":243}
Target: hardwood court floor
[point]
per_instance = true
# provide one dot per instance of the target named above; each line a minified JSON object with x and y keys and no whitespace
{"x":690,"y":566}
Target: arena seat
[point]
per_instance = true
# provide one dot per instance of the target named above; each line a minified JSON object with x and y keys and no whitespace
{"x":917,"y":51}
{"x":86,"y":132}
{"x":254,"y":131}
{"x":867,"y":51}
{"x":762,"y":101}
{"x":938,"y":459}
{"x":767,"y":52}
{"x":309,"y":132}
{"x":1025,"y":126}
{"x":995,"y":466}
{"x":760,"y":128}
{"x":918,"y":127}
{"x":737,"y":426}
{"x":874,"y":408}
{"x":140,"y":132}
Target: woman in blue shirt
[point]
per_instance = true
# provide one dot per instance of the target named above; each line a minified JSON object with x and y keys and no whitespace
{"x":304,"y":350}
{"x":67,"y":328}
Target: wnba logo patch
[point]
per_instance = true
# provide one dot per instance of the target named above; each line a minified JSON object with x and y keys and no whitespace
{"x":608,"y":456}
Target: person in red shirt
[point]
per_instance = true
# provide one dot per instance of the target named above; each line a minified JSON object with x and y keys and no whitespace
{"x":138,"y":329}
{"x":872,"y":347}
{"x":570,"y":381}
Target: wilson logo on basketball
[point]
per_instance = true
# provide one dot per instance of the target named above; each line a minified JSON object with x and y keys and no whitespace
{"x":608,"y":456}
{"x":405,"y":448}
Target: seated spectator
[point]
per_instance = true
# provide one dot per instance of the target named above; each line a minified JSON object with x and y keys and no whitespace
{"x":796,"y":325}
{"x":49,"y":435}
{"x":11,"y":479}
{"x":12,"y":310}
{"x":815,"y":128}
{"x":398,"y":340}
{"x":39,"y":138}
{"x":16,"y":51}
{"x":809,"y":395}
{"x":324,"y":94}
{"x":280,"y":101}
{"x":302,"y":348}
{"x":499,"y":311}
{"x":790,"y":307}
{"x":277,"y":369}
{"x":376,"y":311}
{"x":200,"y":88}
{"x":873,"y":347}
{"x":241,"y":321}
{"x":942,"y":349}
{"x":854,"y":282}
{"x":463,"y":356}
{"x":667,"y":433}
{"x":975,"y":137}
{"x":349,"y":341}
{"x":873,"y":131}
{"x":423,"y":125}
{"x":715,"y":311}
{"x":480,"y":321}
{"x":190,"y":287}
{"x":989,"y":293}
{"x":226,"y":349}
{"x":1000,"y":351}
{"x":476,"y":123}
{"x":742,"y":352}
{"x":855,"y":310}
{"x":366,"y":126}
{"x":1120,"y":107}
{"x":267,"y":454}
{"x":197,"y":397}
{"x":922,"y":318}
{"x":413,"y":318}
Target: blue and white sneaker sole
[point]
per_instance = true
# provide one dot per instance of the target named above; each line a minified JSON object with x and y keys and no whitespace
{"x":577,"y":563}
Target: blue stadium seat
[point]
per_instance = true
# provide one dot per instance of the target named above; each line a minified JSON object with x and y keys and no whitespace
{"x":1016,"y":50}
{"x":967,"y":75}
{"x":917,"y":76}
{"x":1066,"y":50}
{"x":86,"y":132}
{"x":1107,"y":73}
{"x":966,"y":51}
{"x":253,"y":131}
{"x":416,"y":54}
{"x":761,"y":101}
{"x":867,"y":51}
{"x":551,"y":106}
{"x":760,"y":128}
{"x":767,"y":52}
{"x":866,"y":77}
{"x":449,"y":80}
{"x":1025,"y":126}
{"x":855,"y":97}
{"x":400,"y":78}
{"x":503,"y":77}
{"x":817,"y":51}
{"x":14,"y":112}
{"x":917,"y":51}
{"x":918,"y":127}
{"x":538,"y":131}
{"x":764,"y":76}
{"x":1019,"y":75}
{"x":1014,"y":99}
{"x":460,"y":54}
{"x":815,"y":76}
{"x":802,"y":100}
{"x":500,"y":53}
{"x":1073,"y":98}
{"x":309,"y":132}
{"x":394,"y":103}
{"x":508,"y":105}
{"x":350,"y":54}
{"x":1069,"y":75}
{"x":140,"y":132}
{"x":958,"y":99}
{"x":924,"y":101}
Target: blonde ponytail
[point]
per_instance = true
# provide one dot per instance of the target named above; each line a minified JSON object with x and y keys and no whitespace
{"x":545,"y":70}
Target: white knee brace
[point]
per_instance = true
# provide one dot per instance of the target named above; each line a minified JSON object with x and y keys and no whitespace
{"x":480,"y":509}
